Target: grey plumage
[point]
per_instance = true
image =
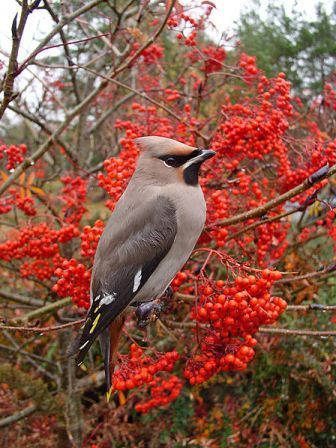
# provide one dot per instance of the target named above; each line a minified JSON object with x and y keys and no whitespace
{"x":148,"y":238}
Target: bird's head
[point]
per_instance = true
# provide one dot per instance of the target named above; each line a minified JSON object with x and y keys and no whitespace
{"x":170,"y":161}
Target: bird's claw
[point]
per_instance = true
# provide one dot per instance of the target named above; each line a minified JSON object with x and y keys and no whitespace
{"x":148,"y":312}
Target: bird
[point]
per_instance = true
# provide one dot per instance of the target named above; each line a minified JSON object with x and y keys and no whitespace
{"x":148,"y":238}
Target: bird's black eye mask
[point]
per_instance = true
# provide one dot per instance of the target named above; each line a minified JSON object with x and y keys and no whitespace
{"x":175,"y":161}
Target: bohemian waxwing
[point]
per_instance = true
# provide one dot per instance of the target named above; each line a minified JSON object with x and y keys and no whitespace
{"x":148,"y":238}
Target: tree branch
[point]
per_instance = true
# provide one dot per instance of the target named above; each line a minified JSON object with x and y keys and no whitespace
{"x":259,"y":211}
{"x":42,"y":329}
{"x":50,"y":307}
{"x":327,"y":270}
{"x":287,"y":332}
{"x":17,"y":32}
{"x":311,"y":307}
{"x":20,"y":299}
{"x":86,"y":101}
{"x":66,"y":19}
{"x":18,"y":416}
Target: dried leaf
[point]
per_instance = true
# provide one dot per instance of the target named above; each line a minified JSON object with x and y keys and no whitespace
{"x":38,"y":191}
{"x":122,"y":398}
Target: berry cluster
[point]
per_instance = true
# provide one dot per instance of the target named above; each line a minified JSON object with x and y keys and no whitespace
{"x":137,"y":369}
{"x":248,"y":65}
{"x":90,"y":238}
{"x":73,"y":196}
{"x":140,"y":370}
{"x":14,"y":153}
{"x":74,"y":281}
{"x":329,"y":96}
{"x":5,"y":205}
{"x":162,"y":392}
{"x":179,"y":279}
{"x":228,"y":316}
{"x":41,"y":269}
{"x":119,"y":169}
{"x":37,"y":241}
{"x":172,"y":94}
{"x":211,"y":57}
{"x":150,"y":54}
{"x":26,"y":205}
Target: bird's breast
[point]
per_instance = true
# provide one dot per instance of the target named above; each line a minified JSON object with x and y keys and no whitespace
{"x":190,"y":215}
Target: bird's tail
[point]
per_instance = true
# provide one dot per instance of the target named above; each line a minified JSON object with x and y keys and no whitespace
{"x":109,"y":342}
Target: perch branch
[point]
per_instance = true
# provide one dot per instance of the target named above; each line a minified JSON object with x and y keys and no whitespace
{"x":259,"y":211}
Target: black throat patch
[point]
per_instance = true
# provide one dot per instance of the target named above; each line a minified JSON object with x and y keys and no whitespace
{"x":190,"y":174}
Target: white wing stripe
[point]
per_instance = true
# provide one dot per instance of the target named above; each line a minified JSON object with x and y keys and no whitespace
{"x":137,"y":280}
{"x":82,"y":346}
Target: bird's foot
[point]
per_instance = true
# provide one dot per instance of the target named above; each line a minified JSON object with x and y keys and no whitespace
{"x":148,"y":312}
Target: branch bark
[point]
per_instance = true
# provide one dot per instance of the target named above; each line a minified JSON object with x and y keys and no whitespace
{"x":18,"y":298}
{"x":17,"y":32}
{"x":288,"y":332}
{"x":18,"y":416}
{"x":50,"y":307}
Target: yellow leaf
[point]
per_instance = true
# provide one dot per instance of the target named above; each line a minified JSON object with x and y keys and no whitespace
{"x":22,"y":178}
{"x":4,"y":175}
{"x":108,"y":394}
{"x":38,"y":191}
{"x":31,"y":178}
{"x":314,"y":209}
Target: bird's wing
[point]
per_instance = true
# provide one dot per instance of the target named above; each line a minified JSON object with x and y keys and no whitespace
{"x":123,"y":267}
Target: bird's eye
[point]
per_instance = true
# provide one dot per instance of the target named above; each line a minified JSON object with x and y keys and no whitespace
{"x":171,"y":162}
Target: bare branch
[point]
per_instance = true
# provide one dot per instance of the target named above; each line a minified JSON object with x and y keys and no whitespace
{"x":81,"y":106}
{"x":328,"y":270}
{"x":50,"y":307}
{"x":20,"y":298}
{"x":65,"y":20}
{"x":287,"y":332}
{"x":17,"y":32}
{"x":18,"y":416}
{"x":42,"y":329}
{"x":311,"y":307}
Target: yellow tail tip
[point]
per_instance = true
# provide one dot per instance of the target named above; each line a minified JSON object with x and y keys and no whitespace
{"x":108,"y":394}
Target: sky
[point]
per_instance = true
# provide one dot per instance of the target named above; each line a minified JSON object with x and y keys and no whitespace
{"x":227,"y":12}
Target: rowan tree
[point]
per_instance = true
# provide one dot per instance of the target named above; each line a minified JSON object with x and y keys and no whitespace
{"x":104,"y":74}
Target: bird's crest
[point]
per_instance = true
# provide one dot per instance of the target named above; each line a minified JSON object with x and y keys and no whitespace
{"x":158,"y":146}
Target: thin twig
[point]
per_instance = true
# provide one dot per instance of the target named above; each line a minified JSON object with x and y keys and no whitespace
{"x":328,"y":270}
{"x":42,"y":329}
{"x":65,"y":21}
{"x":145,"y":97}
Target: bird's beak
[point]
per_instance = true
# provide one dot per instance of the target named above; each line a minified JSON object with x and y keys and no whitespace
{"x":206,"y":154}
